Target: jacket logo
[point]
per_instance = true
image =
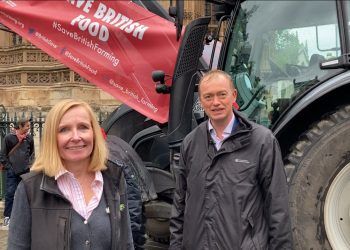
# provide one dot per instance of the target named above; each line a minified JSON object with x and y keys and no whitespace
{"x":121,"y":207}
{"x":241,"y":161}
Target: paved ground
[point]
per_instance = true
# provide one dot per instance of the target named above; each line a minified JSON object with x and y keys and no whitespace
{"x":3,"y":239}
{"x":3,"y":233}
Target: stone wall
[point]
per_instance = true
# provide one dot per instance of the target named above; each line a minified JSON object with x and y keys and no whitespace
{"x":42,"y":98}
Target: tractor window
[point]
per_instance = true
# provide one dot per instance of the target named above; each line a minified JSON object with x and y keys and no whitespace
{"x":275,"y":50}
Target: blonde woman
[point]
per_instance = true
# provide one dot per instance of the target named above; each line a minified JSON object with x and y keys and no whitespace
{"x":71,"y":199}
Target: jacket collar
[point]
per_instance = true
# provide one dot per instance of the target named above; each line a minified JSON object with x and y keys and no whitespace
{"x":49,"y":184}
{"x":239,"y":138}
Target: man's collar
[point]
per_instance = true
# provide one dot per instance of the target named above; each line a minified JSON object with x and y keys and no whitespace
{"x":228,"y":128}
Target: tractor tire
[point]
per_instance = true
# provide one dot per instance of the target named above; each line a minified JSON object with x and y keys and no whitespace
{"x":158,"y":219}
{"x":318,"y":171}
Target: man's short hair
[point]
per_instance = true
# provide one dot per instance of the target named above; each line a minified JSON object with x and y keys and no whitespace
{"x":22,"y":121}
{"x":215,"y":74}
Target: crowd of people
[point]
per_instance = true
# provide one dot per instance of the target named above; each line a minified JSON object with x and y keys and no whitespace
{"x":231,"y":190}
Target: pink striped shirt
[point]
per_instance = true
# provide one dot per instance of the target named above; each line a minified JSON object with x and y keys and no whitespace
{"x":71,"y":189}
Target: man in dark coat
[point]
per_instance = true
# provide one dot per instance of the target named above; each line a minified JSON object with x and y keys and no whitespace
{"x":16,"y":157}
{"x":139,"y":185}
{"x":231,"y":190}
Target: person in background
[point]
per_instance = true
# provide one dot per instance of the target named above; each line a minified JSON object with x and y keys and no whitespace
{"x":231,"y":189}
{"x":16,"y":157}
{"x":121,"y":153}
{"x":71,"y":199}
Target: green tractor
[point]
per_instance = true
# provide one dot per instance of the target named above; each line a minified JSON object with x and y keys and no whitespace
{"x":290,"y":64}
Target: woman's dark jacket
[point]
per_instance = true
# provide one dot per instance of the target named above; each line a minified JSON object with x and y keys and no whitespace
{"x":233,"y":198}
{"x":51,"y":212}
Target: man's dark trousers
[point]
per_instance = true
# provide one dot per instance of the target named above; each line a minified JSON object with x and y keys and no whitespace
{"x":12,"y":181}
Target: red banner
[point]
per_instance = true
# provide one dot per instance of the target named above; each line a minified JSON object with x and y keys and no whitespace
{"x":113,"y":44}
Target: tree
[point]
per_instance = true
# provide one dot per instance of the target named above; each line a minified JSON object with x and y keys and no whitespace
{"x":285,"y":47}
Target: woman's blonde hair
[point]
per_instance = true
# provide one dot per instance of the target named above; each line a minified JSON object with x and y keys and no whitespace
{"x":48,"y":159}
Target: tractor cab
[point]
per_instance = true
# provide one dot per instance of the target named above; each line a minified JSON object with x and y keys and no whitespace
{"x":274,"y":53}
